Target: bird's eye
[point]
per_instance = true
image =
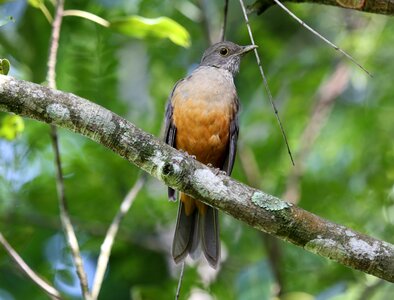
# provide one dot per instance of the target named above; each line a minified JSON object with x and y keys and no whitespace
{"x":223,"y":51}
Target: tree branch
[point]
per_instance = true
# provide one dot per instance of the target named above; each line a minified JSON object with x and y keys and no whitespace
{"x":383,"y":7}
{"x":256,"y":208}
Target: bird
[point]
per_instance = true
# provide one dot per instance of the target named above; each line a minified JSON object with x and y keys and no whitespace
{"x":201,"y":119}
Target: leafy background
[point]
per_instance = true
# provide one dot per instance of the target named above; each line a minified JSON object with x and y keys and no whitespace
{"x":348,"y":176}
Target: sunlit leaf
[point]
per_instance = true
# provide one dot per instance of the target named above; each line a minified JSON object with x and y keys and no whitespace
{"x":35,"y":3}
{"x":161,"y":27}
{"x":11,"y":126}
{"x":4,"y":66}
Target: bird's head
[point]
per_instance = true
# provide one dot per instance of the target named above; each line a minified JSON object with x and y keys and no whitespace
{"x":225,"y":55}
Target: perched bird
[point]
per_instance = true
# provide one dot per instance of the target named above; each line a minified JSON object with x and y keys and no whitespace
{"x":202,"y":119}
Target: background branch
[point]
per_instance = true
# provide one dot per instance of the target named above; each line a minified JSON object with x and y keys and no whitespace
{"x":256,"y":208}
{"x":106,"y":246}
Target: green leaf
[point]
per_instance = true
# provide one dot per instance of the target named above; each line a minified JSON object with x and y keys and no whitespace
{"x":11,"y":127}
{"x":4,"y":66}
{"x":35,"y":3}
{"x":161,"y":27}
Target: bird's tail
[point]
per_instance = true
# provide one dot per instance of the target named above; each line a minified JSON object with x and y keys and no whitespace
{"x":196,"y":222}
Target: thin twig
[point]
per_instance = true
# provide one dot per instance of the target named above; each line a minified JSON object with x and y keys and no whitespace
{"x":46,"y":287}
{"x":106,"y":246}
{"x":178,"y":290}
{"x":54,"y":46}
{"x":224,"y":25}
{"x":64,"y":215}
{"x":265,"y":81}
{"x":321,"y":37}
{"x":65,"y":218}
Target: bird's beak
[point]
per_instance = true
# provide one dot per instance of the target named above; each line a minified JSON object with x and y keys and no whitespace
{"x":246,"y":49}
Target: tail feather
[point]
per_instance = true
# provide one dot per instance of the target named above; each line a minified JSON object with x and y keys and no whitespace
{"x":195,"y":251}
{"x":193,"y":227}
{"x":183,"y":234}
{"x":209,"y":225}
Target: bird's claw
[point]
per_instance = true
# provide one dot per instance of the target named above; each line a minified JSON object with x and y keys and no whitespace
{"x":186,"y":153}
{"x":216,"y":171}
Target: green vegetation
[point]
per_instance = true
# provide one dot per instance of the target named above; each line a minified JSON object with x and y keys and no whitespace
{"x":347,"y":174}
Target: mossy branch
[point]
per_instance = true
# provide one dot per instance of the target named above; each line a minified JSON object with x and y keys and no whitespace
{"x":256,"y":208}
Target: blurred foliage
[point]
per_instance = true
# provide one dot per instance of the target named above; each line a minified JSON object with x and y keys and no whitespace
{"x":4,"y":66}
{"x":348,"y":176}
{"x":11,"y":126}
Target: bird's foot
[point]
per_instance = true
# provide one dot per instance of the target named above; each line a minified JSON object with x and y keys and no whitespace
{"x":216,"y":171}
{"x":186,"y":153}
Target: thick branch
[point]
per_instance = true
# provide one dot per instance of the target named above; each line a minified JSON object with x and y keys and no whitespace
{"x":383,"y":7}
{"x":256,"y":208}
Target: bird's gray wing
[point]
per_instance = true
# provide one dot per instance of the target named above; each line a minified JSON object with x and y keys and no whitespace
{"x":170,"y":133}
{"x":232,"y":146}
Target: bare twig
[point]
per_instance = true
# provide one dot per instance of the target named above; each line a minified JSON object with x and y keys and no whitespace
{"x":106,"y":246}
{"x":54,"y":45}
{"x":321,"y":37}
{"x":265,"y":81}
{"x":64,"y":215}
{"x":65,"y":218}
{"x":224,"y":25}
{"x":178,"y":290}
{"x":46,"y":287}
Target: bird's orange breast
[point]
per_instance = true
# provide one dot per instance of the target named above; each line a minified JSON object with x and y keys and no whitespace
{"x":203,"y":107}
